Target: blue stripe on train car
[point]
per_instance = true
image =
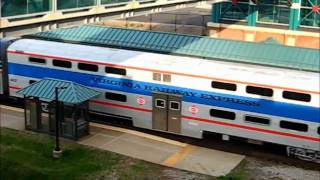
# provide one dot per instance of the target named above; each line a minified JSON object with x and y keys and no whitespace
{"x":268,"y":107}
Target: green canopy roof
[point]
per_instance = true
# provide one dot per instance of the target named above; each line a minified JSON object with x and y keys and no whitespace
{"x":73,"y":93}
{"x":270,"y":54}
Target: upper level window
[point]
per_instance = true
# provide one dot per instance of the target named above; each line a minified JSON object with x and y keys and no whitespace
{"x":64,"y":64}
{"x":32,"y":81}
{"x":88,"y":67}
{"x":37,"y":60}
{"x":258,"y":120}
{"x":161,"y":77}
{"x":166,"y":77}
{"x":259,"y":90}
{"x":157,"y":76}
{"x":118,"y":71}
{"x":294,"y":126}
{"x":116,"y":96}
{"x":296,"y":96}
{"x":223,"y":114}
{"x":223,"y":85}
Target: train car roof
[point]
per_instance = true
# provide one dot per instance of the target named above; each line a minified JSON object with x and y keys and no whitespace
{"x":265,"y":53}
{"x":169,"y":63}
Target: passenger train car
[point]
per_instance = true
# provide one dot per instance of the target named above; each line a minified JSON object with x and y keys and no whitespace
{"x":182,"y":95}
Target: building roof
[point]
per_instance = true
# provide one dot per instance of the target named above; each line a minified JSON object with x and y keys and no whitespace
{"x":45,"y":88}
{"x":265,"y":53}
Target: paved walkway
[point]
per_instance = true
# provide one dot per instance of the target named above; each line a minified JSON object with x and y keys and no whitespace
{"x":12,"y":117}
{"x":144,"y":146}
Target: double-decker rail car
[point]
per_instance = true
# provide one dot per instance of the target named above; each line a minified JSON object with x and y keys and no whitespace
{"x":182,"y":95}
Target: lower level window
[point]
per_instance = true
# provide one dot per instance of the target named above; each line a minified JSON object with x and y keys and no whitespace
{"x":257,"y":120}
{"x":294,"y":126}
{"x":223,"y":114}
{"x":116,"y":97}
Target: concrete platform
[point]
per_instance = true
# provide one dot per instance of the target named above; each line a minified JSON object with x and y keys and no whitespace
{"x":11,"y":117}
{"x":162,"y":151}
{"x":144,"y":146}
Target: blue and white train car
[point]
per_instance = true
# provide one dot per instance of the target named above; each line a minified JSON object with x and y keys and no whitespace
{"x":182,"y":95}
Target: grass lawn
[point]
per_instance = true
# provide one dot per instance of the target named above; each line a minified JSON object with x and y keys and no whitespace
{"x":27,"y":155}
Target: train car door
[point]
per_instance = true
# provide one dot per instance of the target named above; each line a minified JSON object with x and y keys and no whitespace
{"x":166,"y":114}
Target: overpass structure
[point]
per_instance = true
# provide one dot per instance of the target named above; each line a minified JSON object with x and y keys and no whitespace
{"x":19,"y":17}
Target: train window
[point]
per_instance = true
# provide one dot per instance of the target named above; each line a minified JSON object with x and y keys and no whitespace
{"x":259,"y":90}
{"x":296,"y":96}
{"x":166,"y":77}
{"x":222,"y":114}
{"x":160,"y":103}
{"x":116,"y":97}
{"x":294,"y":126}
{"x":113,"y":70}
{"x":157,"y":76}
{"x":88,"y":67}
{"x":258,"y":120}
{"x":319,"y":130}
{"x":174,"y":105}
{"x":223,"y":85}
{"x":64,"y":64}
{"x":37,"y":60}
{"x":32,"y":81}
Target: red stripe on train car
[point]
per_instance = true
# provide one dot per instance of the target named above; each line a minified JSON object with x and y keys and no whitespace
{"x":206,"y":121}
{"x":251,"y":128}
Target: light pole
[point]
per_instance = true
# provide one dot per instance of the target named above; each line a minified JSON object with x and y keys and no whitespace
{"x":57,"y":151}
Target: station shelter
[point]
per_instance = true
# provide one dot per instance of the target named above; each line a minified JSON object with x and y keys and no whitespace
{"x":45,"y":97}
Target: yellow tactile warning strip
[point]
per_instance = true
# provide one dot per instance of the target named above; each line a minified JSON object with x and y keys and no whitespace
{"x":140,"y":134}
{"x":175,"y":158}
{"x":11,"y":108}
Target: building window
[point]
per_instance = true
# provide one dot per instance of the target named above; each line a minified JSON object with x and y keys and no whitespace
{"x":157,"y":76}
{"x":234,"y":12}
{"x":296,"y":96}
{"x":37,"y":60}
{"x":294,"y":126}
{"x":257,"y":120}
{"x":166,"y":77}
{"x":259,"y":91}
{"x":274,"y":11}
{"x":309,"y":17}
{"x":116,"y":97}
{"x":64,"y":64}
{"x":222,"y":114}
{"x":223,"y":85}
{"x":118,"y":71}
{"x":70,"y":4}
{"x":24,"y":7}
{"x":88,"y":67}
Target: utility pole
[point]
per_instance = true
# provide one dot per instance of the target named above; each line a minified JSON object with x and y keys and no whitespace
{"x":57,"y":151}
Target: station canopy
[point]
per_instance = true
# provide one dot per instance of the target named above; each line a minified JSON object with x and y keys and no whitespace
{"x":73,"y":93}
{"x":269,"y":54}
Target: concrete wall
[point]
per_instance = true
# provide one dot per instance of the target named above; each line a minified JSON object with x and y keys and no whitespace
{"x":258,"y":34}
